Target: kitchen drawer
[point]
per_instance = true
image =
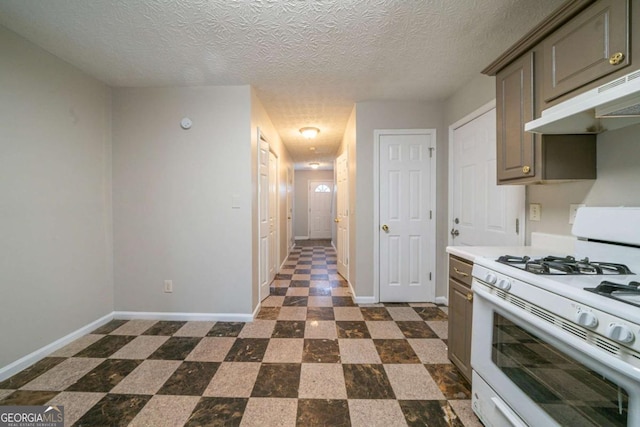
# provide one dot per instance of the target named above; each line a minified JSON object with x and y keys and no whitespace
{"x":460,"y":270}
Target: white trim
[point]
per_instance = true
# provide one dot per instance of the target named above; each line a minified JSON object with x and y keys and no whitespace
{"x":376,"y":204}
{"x":301,"y":238}
{"x":31,"y":358}
{"x":365,"y":300}
{"x":442,"y":300}
{"x":224,"y":317}
{"x":256,"y":311}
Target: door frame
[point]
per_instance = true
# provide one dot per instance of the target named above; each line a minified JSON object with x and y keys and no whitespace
{"x":276,"y":220}
{"x":261,"y":137}
{"x":377,"y":133}
{"x":345,"y":156}
{"x":309,"y":184}
{"x":458,"y":124}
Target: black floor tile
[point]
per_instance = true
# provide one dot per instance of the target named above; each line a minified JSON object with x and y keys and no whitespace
{"x":114,"y":410}
{"x":247,"y":350}
{"x":277,"y":380}
{"x":367,"y":382}
{"x":218,"y":412}
{"x":190,"y":379}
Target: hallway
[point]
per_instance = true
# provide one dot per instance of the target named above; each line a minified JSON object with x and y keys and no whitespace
{"x":311,"y":358}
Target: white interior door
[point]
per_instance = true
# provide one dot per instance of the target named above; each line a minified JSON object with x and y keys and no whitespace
{"x":342,"y":215}
{"x":273,"y":216}
{"x":320,"y":195}
{"x":406,"y":233}
{"x":482,"y":213}
{"x":263,"y":215}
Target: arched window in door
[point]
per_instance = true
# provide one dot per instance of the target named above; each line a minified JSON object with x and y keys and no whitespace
{"x":322,"y":189}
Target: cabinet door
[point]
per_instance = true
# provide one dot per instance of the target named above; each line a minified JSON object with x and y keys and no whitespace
{"x":460,"y":318}
{"x":593,"y":44}
{"x":514,"y":102}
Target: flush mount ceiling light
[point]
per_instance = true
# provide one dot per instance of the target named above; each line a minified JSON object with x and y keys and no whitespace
{"x":314,"y":165}
{"x":309,"y":132}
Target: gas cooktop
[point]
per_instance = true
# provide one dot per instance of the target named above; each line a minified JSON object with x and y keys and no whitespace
{"x":553,"y":265}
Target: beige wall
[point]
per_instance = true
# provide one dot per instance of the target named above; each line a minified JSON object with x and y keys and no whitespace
{"x":172,"y":199}
{"x":55,"y":204}
{"x":260,"y":119}
{"x":617,"y":184}
{"x":301,"y":211}
{"x":388,"y":115}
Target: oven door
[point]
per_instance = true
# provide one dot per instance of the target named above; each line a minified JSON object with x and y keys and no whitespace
{"x":543,"y":374}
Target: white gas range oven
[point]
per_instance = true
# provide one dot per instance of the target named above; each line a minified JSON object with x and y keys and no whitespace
{"x":556,"y":340}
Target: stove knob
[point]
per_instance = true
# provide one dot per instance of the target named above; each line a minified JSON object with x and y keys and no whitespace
{"x":490,"y":278}
{"x":620,"y":333}
{"x":504,"y":284}
{"x":587,"y":319}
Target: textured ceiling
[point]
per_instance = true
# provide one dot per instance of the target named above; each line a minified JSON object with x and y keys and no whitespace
{"x":308,"y":60}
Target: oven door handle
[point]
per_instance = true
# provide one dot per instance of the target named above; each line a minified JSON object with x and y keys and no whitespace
{"x":507,"y":412}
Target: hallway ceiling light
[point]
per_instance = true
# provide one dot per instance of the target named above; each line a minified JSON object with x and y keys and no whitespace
{"x":314,"y":165}
{"x":309,"y":132}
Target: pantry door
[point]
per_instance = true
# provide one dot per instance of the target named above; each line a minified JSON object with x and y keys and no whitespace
{"x":406,"y":222}
{"x":482,"y":213}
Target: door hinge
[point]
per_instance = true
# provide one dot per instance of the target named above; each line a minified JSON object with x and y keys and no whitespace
{"x":517,"y":225}
{"x":429,"y":275}
{"x":431,"y":151}
{"x":430,"y":214}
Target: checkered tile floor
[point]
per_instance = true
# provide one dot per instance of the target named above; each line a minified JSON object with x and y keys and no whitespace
{"x":311,"y":358}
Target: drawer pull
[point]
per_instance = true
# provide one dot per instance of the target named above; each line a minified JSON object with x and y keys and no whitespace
{"x":616,"y":58}
{"x":469,"y":297}
{"x":462,"y":273}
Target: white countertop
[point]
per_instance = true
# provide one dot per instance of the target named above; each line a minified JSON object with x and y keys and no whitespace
{"x":542,"y":245}
{"x":472,"y":252}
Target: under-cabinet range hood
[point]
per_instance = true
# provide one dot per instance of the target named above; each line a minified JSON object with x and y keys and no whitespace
{"x":611,"y":106}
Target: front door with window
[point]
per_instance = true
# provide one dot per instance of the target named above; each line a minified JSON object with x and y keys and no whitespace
{"x":320,"y":197}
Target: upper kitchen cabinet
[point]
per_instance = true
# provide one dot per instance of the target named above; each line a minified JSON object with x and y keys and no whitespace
{"x":514,"y":107}
{"x":590,"y":46}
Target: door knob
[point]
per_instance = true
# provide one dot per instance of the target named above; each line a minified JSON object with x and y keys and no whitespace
{"x":336,"y":220}
{"x":385,"y":228}
{"x":454,"y":232}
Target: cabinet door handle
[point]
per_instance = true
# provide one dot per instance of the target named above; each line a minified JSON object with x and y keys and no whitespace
{"x":462,"y":273}
{"x":616,"y":58}
{"x":526,"y":169}
{"x":469,"y":297}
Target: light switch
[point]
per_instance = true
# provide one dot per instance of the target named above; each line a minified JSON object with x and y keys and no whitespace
{"x":535,"y":211}
{"x":235,"y":202}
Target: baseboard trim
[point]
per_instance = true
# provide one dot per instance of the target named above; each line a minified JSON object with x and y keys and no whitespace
{"x":442,"y":300}
{"x":360,"y":300}
{"x":31,"y":358}
{"x":301,"y":238}
{"x":224,"y":317}
{"x":365,"y":300}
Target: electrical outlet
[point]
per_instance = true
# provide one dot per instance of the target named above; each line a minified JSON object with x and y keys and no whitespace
{"x":535,"y":212}
{"x":573,"y":209}
{"x":168,"y":286}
